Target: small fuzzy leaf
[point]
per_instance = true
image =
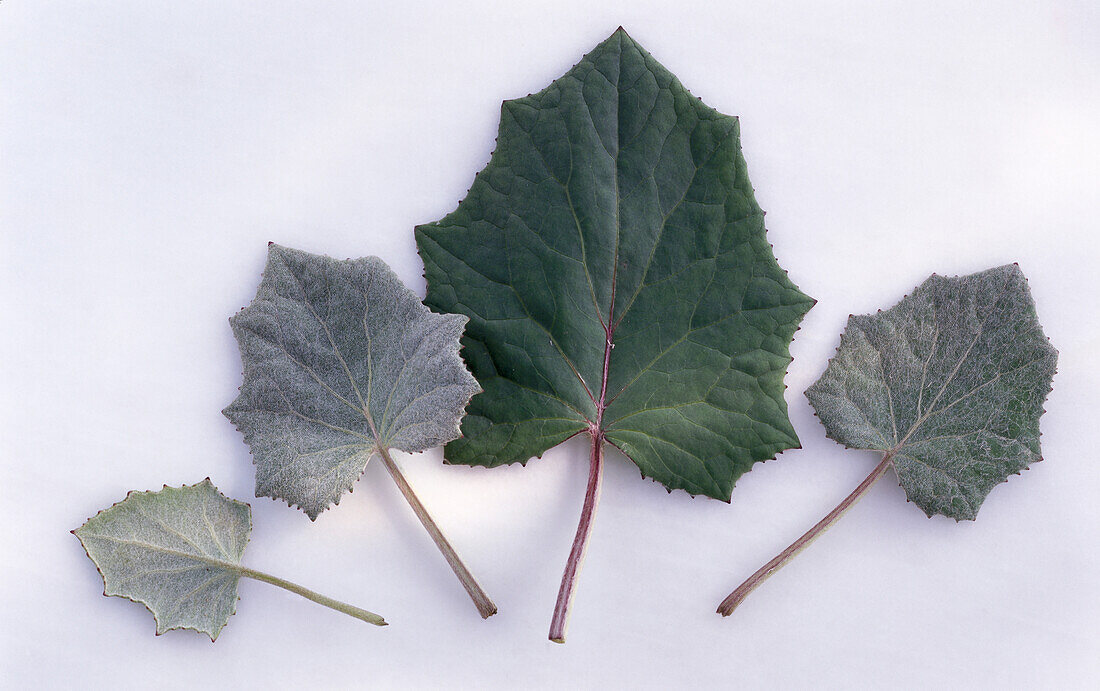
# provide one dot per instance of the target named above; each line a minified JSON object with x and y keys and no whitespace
{"x":950,"y":382}
{"x":340,"y":360}
{"x":176,"y":551}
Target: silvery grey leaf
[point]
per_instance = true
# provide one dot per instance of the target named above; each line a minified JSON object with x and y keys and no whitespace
{"x":950,"y":382}
{"x":340,"y":361}
{"x":178,"y":552}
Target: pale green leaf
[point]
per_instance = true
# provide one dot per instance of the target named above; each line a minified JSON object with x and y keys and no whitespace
{"x":176,"y":551}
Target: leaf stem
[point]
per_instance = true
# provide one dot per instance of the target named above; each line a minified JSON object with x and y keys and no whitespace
{"x":481,"y":599}
{"x":369,"y":617}
{"x":576,"y":555}
{"x":738,"y":596}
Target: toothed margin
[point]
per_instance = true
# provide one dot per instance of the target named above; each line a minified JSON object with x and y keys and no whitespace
{"x":1050,"y":387}
{"x":808,"y":300}
{"x":158,"y":632}
{"x":378,"y":264}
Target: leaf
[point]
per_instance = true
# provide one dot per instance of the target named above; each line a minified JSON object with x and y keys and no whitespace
{"x":949,"y":384}
{"x":613,"y":262}
{"x":341,"y":359}
{"x":342,"y":362}
{"x":950,"y":381}
{"x":178,"y":552}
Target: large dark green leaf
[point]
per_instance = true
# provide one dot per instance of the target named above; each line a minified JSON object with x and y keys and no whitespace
{"x":613,"y":262}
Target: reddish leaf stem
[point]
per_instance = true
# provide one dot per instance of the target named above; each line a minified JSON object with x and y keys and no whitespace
{"x":576,"y":555}
{"x":738,"y":596}
{"x":592,"y":496}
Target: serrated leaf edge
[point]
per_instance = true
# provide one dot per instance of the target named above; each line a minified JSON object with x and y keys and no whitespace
{"x":159,"y":632}
{"x":833,"y":439}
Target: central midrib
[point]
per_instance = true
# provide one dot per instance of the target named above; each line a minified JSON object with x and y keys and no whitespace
{"x":596,"y":429}
{"x":201,"y":558}
{"x":609,"y":343}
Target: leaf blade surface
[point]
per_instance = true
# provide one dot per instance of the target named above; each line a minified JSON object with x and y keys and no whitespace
{"x":340,"y":358}
{"x":176,"y":551}
{"x":951,"y":381}
{"x":948,"y":384}
{"x":614,"y":265}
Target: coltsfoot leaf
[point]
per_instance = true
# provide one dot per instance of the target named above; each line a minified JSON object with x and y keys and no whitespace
{"x":341,"y":360}
{"x":176,"y":551}
{"x":613,"y":262}
{"x":950,"y":382}
{"x":614,"y":265}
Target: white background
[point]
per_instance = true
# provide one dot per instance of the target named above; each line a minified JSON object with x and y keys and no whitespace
{"x":151,"y":150}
